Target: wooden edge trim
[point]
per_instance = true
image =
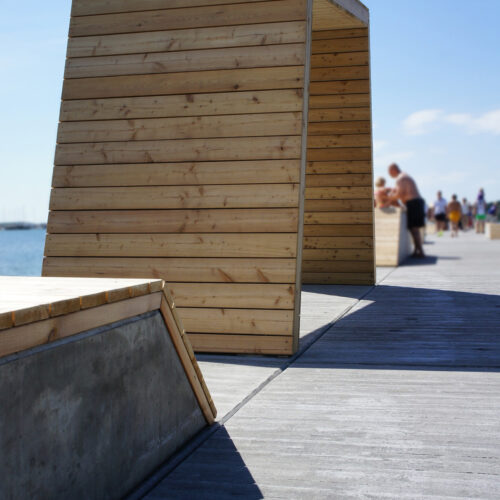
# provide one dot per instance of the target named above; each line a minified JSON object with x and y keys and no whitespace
{"x":187,"y":358}
{"x":303,"y":165}
{"x":67,"y":306}
{"x":43,"y":332}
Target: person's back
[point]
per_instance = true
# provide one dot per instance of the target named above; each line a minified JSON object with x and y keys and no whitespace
{"x":454,"y":211}
{"x":440,"y":206}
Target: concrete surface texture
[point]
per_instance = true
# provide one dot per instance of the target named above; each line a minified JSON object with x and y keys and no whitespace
{"x":399,"y":398}
{"x":91,"y":416}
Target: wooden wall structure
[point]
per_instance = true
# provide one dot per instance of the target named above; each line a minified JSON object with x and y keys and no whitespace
{"x":182,"y":154}
{"x":338,"y":232}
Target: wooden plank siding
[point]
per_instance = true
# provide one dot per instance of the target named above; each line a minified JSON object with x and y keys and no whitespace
{"x":179,"y":157}
{"x":338,"y":218}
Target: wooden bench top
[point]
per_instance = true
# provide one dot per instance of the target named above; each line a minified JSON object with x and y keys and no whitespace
{"x":26,"y":300}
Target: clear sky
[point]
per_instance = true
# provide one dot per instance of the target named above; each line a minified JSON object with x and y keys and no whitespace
{"x":436,"y":100}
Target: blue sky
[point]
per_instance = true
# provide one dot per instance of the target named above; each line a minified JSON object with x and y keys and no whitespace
{"x":435,"y":83}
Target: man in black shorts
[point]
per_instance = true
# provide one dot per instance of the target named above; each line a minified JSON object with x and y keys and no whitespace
{"x":406,"y":190}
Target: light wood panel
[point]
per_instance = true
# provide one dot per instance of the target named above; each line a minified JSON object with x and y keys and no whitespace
{"x":179,"y":174}
{"x":224,"y":103}
{"x":177,"y":197}
{"x":253,"y":125}
{"x":187,"y":39}
{"x":188,"y":269}
{"x":172,"y":245}
{"x":338,"y":231}
{"x":179,"y":156}
{"x":193,"y":60}
{"x":279,"y":220}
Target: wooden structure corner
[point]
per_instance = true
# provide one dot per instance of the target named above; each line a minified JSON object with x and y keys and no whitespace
{"x":222,"y":146}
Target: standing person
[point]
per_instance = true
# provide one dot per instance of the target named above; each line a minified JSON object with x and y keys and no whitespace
{"x":454,"y":212}
{"x":480,"y":211}
{"x":492,"y":213}
{"x":407,"y":192}
{"x":465,"y":214}
{"x":440,"y":213}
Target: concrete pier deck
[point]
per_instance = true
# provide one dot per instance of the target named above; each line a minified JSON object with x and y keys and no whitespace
{"x":395,"y":394}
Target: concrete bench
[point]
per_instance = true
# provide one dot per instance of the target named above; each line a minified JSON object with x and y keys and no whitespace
{"x":98,"y":386}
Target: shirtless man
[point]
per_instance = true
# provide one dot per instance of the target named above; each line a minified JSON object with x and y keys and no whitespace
{"x":407,"y":192}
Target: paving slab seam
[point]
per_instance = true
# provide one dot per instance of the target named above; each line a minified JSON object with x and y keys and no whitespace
{"x":178,"y":458}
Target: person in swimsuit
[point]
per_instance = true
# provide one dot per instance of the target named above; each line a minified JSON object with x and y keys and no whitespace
{"x":480,"y":210}
{"x":382,"y":195}
{"x":407,"y":192}
{"x":454,"y":212}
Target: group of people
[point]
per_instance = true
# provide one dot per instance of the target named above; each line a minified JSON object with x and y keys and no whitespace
{"x":457,"y":215}
{"x":462,"y":215}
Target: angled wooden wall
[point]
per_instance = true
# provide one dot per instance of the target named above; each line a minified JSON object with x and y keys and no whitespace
{"x":338,"y":231}
{"x":179,"y":156}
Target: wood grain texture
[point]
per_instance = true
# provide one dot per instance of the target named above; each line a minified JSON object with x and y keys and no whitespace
{"x":172,"y":245}
{"x":242,"y":344}
{"x":180,"y":269}
{"x":256,"y":148}
{"x":188,"y":39}
{"x":279,"y":220}
{"x":154,"y":129}
{"x":212,"y":104}
{"x":176,"y":197}
{"x":178,"y":174}
{"x":290,"y":77}
{"x":182,"y":18}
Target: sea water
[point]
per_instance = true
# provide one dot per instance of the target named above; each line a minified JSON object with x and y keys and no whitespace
{"x":21,"y":252}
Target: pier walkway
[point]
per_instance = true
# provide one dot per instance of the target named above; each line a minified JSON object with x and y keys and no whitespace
{"x":395,"y":394}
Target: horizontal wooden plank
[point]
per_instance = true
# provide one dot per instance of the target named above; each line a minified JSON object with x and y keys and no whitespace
{"x":42,"y":332}
{"x":182,"y":18}
{"x":317,"y":266}
{"x":171,"y":245}
{"x":339,"y":33}
{"x":338,"y":229}
{"x":338,"y":167}
{"x":311,"y":242}
{"x":178,"y":174}
{"x":338,"y":278}
{"x":337,"y":45}
{"x":327,"y":74}
{"x":233,"y":295}
{"x":276,"y":220}
{"x":335,"y":128}
{"x":350,"y":193}
{"x":346,"y":205}
{"x":196,"y":270}
{"x":187,"y":39}
{"x":186,"y":61}
{"x":336,"y":154}
{"x":339,"y":101}
{"x":224,"y":103}
{"x":349,"y":254}
{"x":153,"y":129}
{"x":176,"y":197}
{"x":313,"y":180}
{"x":92,"y":7}
{"x":237,"y":321}
{"x":238,"y":344}
{"x":239,"y":148}
{"x":338,"y":218}
{"x":340,"y":59}
{"x":290,"y":77}
{"x":340,"y":87}
{"x":339,"y":115}
{"x":339,"y":141}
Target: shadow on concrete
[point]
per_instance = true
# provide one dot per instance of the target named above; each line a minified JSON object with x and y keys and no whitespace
{"x":214,"y":471}
{"x":412,"y":328}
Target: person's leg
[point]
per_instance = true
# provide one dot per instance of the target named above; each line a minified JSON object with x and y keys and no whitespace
{"x":417,"y":241}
